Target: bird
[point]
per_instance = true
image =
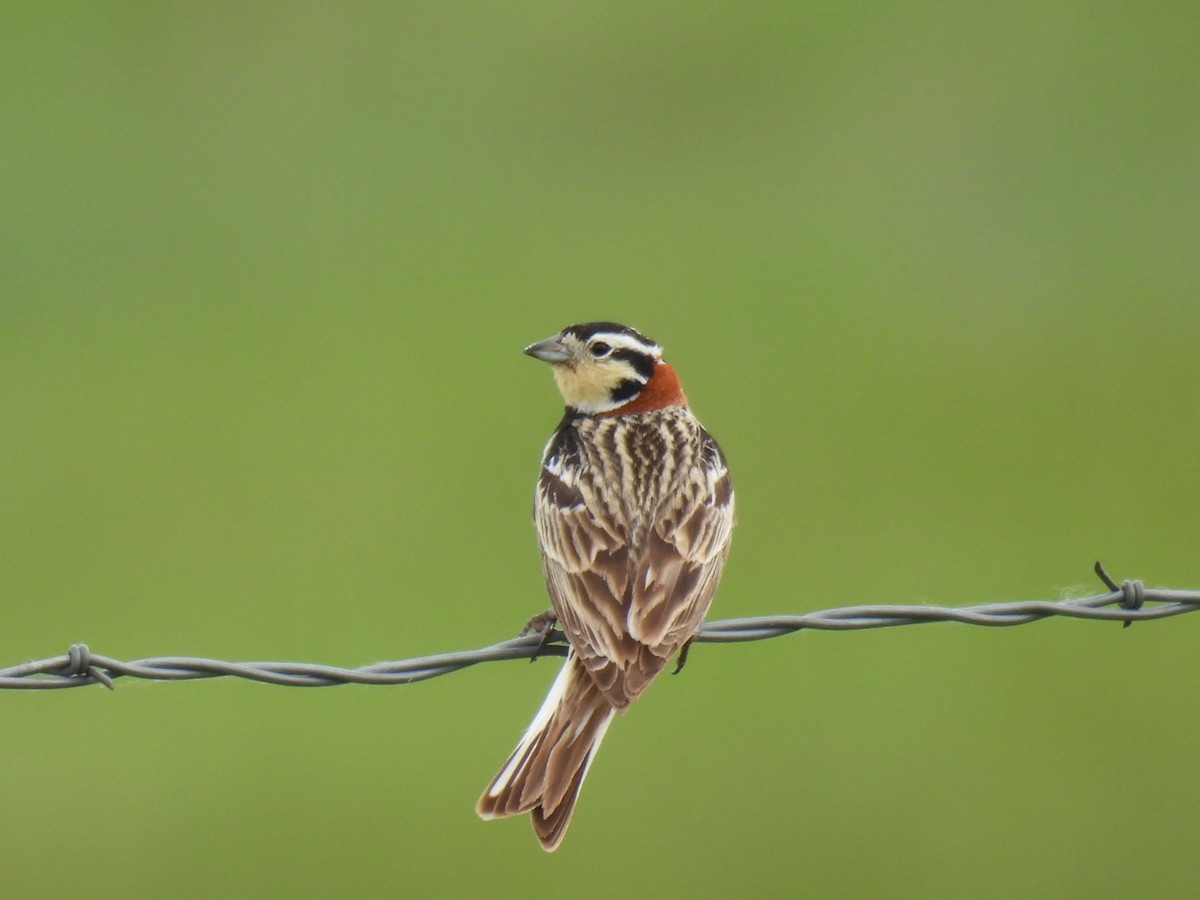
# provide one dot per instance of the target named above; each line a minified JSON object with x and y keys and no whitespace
{"x":634,"y":509}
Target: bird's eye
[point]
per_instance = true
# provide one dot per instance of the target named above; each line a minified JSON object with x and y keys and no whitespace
{"x":599,"y":349}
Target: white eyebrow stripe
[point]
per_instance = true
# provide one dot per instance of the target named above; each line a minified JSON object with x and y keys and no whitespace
{"x":620,"y":341}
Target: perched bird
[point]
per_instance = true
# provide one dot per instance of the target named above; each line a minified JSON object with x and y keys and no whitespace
{"x":634,"y":510}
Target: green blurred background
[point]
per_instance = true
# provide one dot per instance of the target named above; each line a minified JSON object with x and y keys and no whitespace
{"x":930,"y":272}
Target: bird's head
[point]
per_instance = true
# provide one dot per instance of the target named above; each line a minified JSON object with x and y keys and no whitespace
{"x":603,"y":368}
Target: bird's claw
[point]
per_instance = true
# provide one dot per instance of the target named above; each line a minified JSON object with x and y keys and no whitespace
{"x":542,"y":625}
{"x":681,"y":660}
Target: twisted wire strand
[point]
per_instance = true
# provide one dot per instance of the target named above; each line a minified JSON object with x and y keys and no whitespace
{"x":1125,"y":602}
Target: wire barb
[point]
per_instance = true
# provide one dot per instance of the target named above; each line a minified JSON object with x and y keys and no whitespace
{"x":79,"y":666}
{"x":1134,"y":602}
{"x":1133,"y":592}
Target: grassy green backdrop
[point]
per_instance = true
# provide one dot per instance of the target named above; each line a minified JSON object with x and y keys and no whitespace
{"x":930,"y":272}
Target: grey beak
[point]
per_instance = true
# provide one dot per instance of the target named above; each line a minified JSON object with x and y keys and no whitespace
{"x":550,"y":350}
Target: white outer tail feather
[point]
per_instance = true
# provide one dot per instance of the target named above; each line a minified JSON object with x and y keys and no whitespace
{"x":553,"y":697}
{"x":572,"y":706}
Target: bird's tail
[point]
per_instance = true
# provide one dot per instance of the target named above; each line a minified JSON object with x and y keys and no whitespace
{"x":544,"y":774}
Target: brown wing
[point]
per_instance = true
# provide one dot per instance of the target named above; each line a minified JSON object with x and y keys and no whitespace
{"x":626,"y":610}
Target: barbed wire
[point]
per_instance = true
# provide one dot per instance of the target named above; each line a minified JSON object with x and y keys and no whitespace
{"x":79,"y":666}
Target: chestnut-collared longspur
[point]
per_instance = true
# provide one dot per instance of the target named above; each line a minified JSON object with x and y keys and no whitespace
{"x":634,"y":510}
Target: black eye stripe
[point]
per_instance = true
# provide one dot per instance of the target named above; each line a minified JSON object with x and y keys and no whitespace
{"x":642,"y":363}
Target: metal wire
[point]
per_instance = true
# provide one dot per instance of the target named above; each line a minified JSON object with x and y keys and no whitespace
{"x":79,"y":666}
